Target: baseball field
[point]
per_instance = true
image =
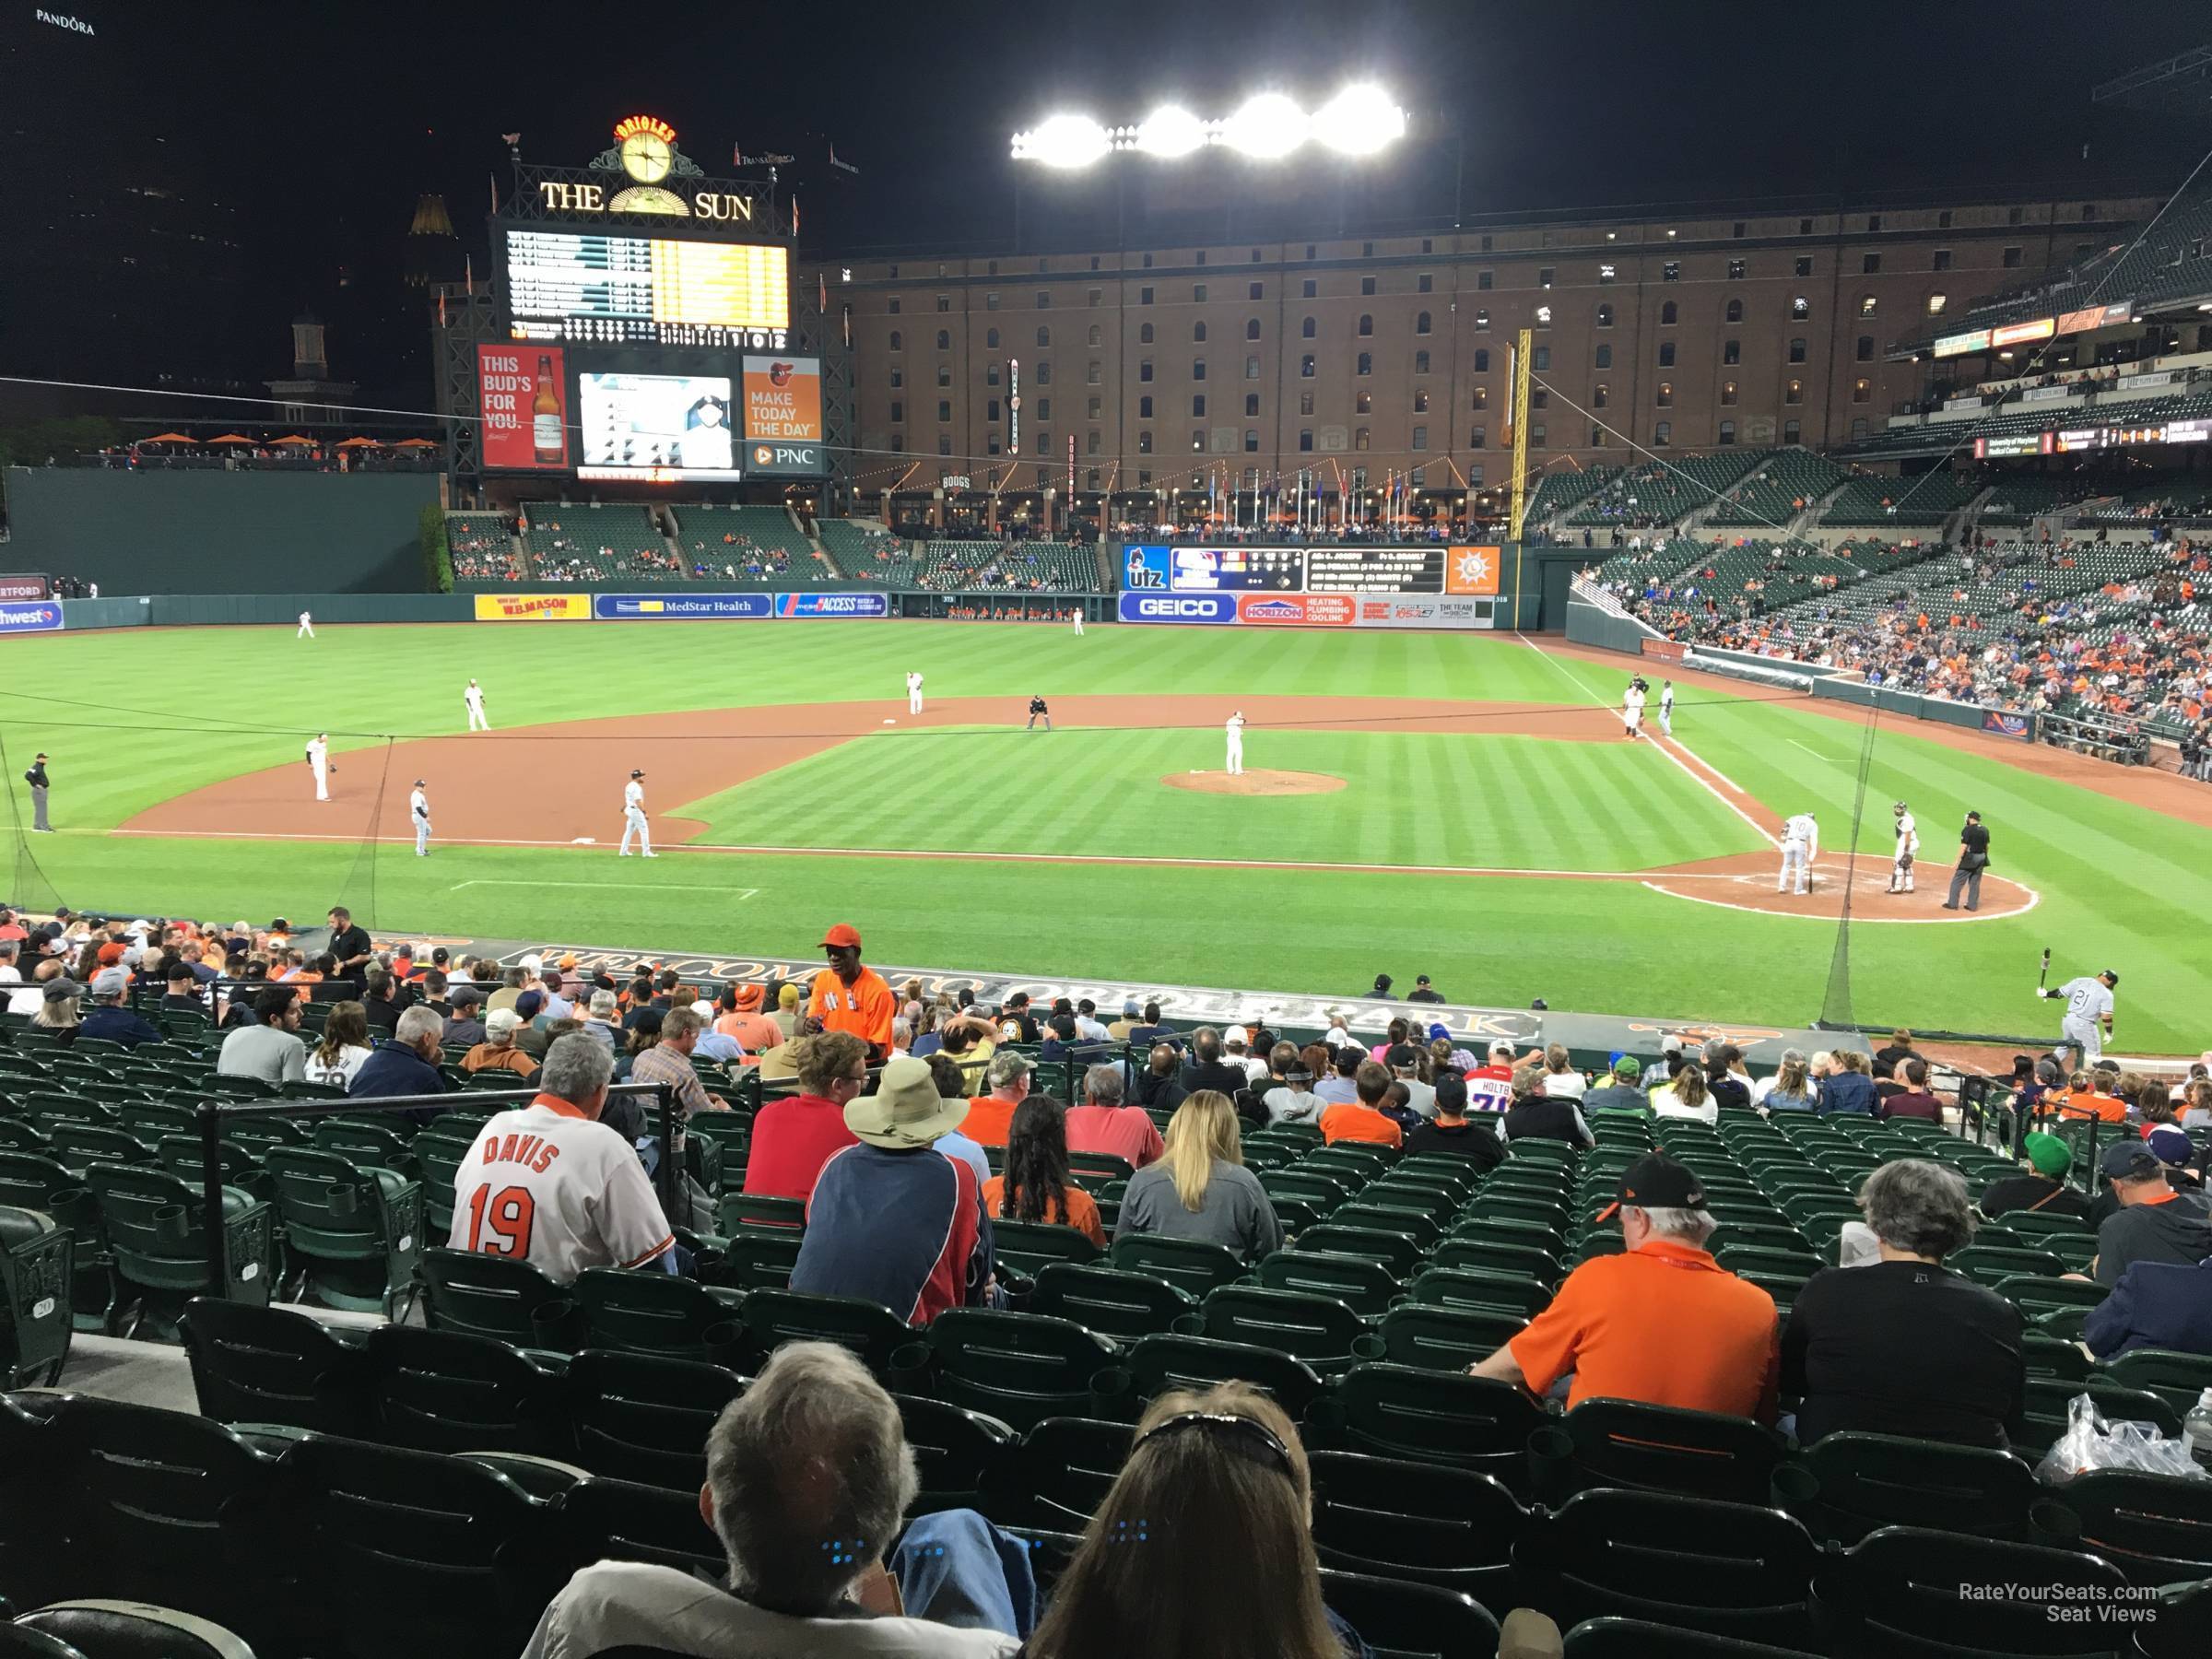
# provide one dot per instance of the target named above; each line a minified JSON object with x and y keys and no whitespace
{"x":1464,"y":807}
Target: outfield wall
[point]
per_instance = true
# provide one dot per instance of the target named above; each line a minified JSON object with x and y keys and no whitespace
{"x":158,"y":532}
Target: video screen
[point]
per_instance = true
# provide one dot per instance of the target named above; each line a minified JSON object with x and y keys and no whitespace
{"x":659,"y":427}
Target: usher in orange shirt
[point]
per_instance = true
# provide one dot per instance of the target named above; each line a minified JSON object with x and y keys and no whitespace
{"x":1665,"y":1324}
{"x":863,"y":1008}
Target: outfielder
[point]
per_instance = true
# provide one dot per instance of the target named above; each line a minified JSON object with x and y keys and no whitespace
{"x":1631,"y":709}
{"x":1908,"y":849}
{"x":1079,"y":623}
{"x":318,"y":762}
{"x":473,"y":698}
{"x":307,"y":627}
{"x":913,"y":691}
{"x":1800,"y":846}
{"x":1667,"y":708}
{"x":2088,"y":1014}
{"x":418,"y":810}
{"x":1234,"y":727}
{"x":633,"y":816}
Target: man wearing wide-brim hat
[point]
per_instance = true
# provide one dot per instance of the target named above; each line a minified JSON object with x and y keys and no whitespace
{"x":892,"y":1219}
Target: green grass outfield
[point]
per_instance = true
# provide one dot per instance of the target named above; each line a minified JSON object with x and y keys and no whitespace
{"x":136,"y":717}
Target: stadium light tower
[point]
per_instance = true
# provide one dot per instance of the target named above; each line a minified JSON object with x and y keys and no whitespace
{"x":1361,"y":120}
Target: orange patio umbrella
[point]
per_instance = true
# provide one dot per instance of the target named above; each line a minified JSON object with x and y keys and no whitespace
{"x":357,"y":443}
{"x":293,"y":440}
{"x":416,"y":443}
{"x":169,"y":438}
{"x":232,"y":438}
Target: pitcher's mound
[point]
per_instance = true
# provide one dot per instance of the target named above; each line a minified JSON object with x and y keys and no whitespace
{"x":1255,"y":781}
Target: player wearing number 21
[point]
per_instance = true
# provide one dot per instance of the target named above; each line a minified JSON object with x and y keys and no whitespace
{"x":552,"y":1186}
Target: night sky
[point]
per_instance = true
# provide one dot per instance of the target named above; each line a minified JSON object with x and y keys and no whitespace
{"x":317,"y":125}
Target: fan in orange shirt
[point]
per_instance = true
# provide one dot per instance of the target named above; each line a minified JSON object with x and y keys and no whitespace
{"x":990,"y":1118}
{"x":2085,"y":1100}
{"x":1036,"y":1185}
{"x":849,"y":997}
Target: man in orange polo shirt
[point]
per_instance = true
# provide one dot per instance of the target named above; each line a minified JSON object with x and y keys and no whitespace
{"x":849,"y":997}
{"x":1363,"y":1120}
{"x":2084,"y":1098}
{"x":991,"y":1115}
{"x":1661,"y":1322}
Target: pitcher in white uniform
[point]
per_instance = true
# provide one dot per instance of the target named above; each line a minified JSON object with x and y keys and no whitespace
{"x":473,"y":698}
{"x":318,"y":762}
{"x":1800,"y":846}
{"x":633,"y":816}
{"x":913,"y":692}
{"x":1234,"y":728}
{"x":1908,"y":850}
{"x":419,"y":813}
{"x":2088,"y":1014}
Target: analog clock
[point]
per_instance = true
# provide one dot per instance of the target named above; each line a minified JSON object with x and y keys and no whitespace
{"x":645,"y":157}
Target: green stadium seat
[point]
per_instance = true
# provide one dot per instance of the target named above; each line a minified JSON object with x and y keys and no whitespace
{"x":1060,"y":1473}
{"x":1416,"y":1522}
{"x":640,"y":1418}
{"x":1479,"y":1288}
{"x":1442,"y":1339}
{"x":353,"y":1231}
{"x":259,"y":1365}
{"x":1112,"y":1302}
{"x":1156,"y":1364}
{"x":1638,"y":1639}
{"x":2176,"y":1377}
{"x":447,"y":1391}
{"x":961,"y":1454}
{"x":1422,"y":1415}
{"x":1367,"y":1287}
{"x":498,"y":1296}
{"x":154,"y":1230}
{"x":1654,"y":1447}
{"x":1398,"y":1620}
{"x":771,"y":1318}
{"x":36,"y":1265}
{"x":1848,"y":1484}
{"x":1899,"y":1591}
{"x":1190,"y":1264}
{"x":642,"y":1311}
{"x":1019,"y":1368}
{"x":1317,"y":1329}
{"x":2156,"y":1528}
{"x":1030,"y":1245}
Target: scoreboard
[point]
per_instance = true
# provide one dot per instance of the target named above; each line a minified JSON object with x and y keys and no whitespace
{"x":1375,"y":569}
{"x":586,"y":286}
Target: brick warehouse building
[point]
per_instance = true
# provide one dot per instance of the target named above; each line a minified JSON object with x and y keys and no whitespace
{"x":1359,"y":357}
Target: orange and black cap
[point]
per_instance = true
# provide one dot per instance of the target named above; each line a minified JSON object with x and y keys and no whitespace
{"x":1656,"y":1182}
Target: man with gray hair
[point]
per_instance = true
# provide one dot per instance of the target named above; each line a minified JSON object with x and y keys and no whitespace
{"x":1104,"y":1124}
{"x":808,"y":1477}
{"x":669,"y":1062}
{"x":551,"y":1184}
{"x":1209,"y":1069}
{"x":1662,"y":1322}
{"x":405,"y":1062}
{"x":1005,"y":1086}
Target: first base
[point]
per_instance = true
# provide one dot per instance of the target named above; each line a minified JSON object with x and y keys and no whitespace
{"x":890,"y":723}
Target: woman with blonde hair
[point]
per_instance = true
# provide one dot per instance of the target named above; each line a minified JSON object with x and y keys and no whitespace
{"x":57,"y":1010}
{"x":1687,"y":1096}
{"x":1790,"y":1088}
{"x":1204,"y":1546}
{"x":1200,"y":1188}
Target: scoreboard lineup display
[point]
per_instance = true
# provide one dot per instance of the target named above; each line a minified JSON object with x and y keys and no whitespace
{"x":1420,"y":587}
{"x":586,"y":287}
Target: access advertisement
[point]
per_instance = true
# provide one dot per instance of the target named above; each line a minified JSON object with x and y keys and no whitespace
{"x":534,"y":607}
{"x":833,"y":605}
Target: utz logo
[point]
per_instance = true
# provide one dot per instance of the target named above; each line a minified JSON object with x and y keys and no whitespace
{"x":1147,"y":570}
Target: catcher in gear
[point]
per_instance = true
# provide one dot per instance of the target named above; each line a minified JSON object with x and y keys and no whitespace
{"x":1908,"y":849}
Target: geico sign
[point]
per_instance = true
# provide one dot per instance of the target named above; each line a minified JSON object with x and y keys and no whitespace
{"x":1169,"y":607}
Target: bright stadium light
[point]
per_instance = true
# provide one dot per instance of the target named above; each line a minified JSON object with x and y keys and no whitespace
{"x":1063,"y":141}
{"x":1169,"y":132}
{"x":1358,"y":121}
{"x":1268,"y":127}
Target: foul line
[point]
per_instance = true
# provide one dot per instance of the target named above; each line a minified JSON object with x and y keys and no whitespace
{"x":1815,"y":753}
{"x":1562,"y":667}
{"x":1756,"y":828}
{"x":626,"y":886}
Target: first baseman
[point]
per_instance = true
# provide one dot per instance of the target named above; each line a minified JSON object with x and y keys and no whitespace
{"x":633,"y":816}
{"x":1667,"y":708}
{"x":318,"y":761}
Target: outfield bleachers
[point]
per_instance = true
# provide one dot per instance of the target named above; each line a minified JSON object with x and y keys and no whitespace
{"x":1663,"y":492}
{"x":1926,"y":499}
{"x":577,"y":542}
{"x":749,"y":547}
{"x":481,"y":546}
{"x":1783,"y":484}
{"x":1556,"y":492}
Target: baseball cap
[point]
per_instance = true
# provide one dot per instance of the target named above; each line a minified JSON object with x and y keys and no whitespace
{"x":1402,"y":1056}
{"x":1420,"y":979}
{"x":419,"y":784}
{"x":62,"y":990}
{"x":465,"y":996}
{"x":502,"y":1022}
{"x":1627,"y":1065}
{"x":788,"y":997}
{"x":1439,"y":1030}
{"x":528,"y":1003}
{"x":110,"y":953}
{"x":2171,"y":1143}
{"x":533,"y":961}
{"x":2113,"y":974}
{"x":1656,"y":1182}
{"x":1297,"y":1074}
{"x":1233,"y":1038}
{"x":637,"y":774}
{"x":110,"y":981}
{"x":1131,"y":1008}
{"x":2048,"y":1156}
{"x":1451,"y":1093}
{"x":2130,"y":1160}
{"x":843,"y":935}
{"x":1670,"y":1044}
{"x":1501,"y":1046}
{"x":569,"y":960}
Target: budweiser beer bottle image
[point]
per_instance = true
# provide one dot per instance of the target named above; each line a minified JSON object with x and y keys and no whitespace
{"x":544,"y":415}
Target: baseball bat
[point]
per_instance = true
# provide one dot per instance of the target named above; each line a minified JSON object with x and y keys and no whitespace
{"x":2042,"y":978}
